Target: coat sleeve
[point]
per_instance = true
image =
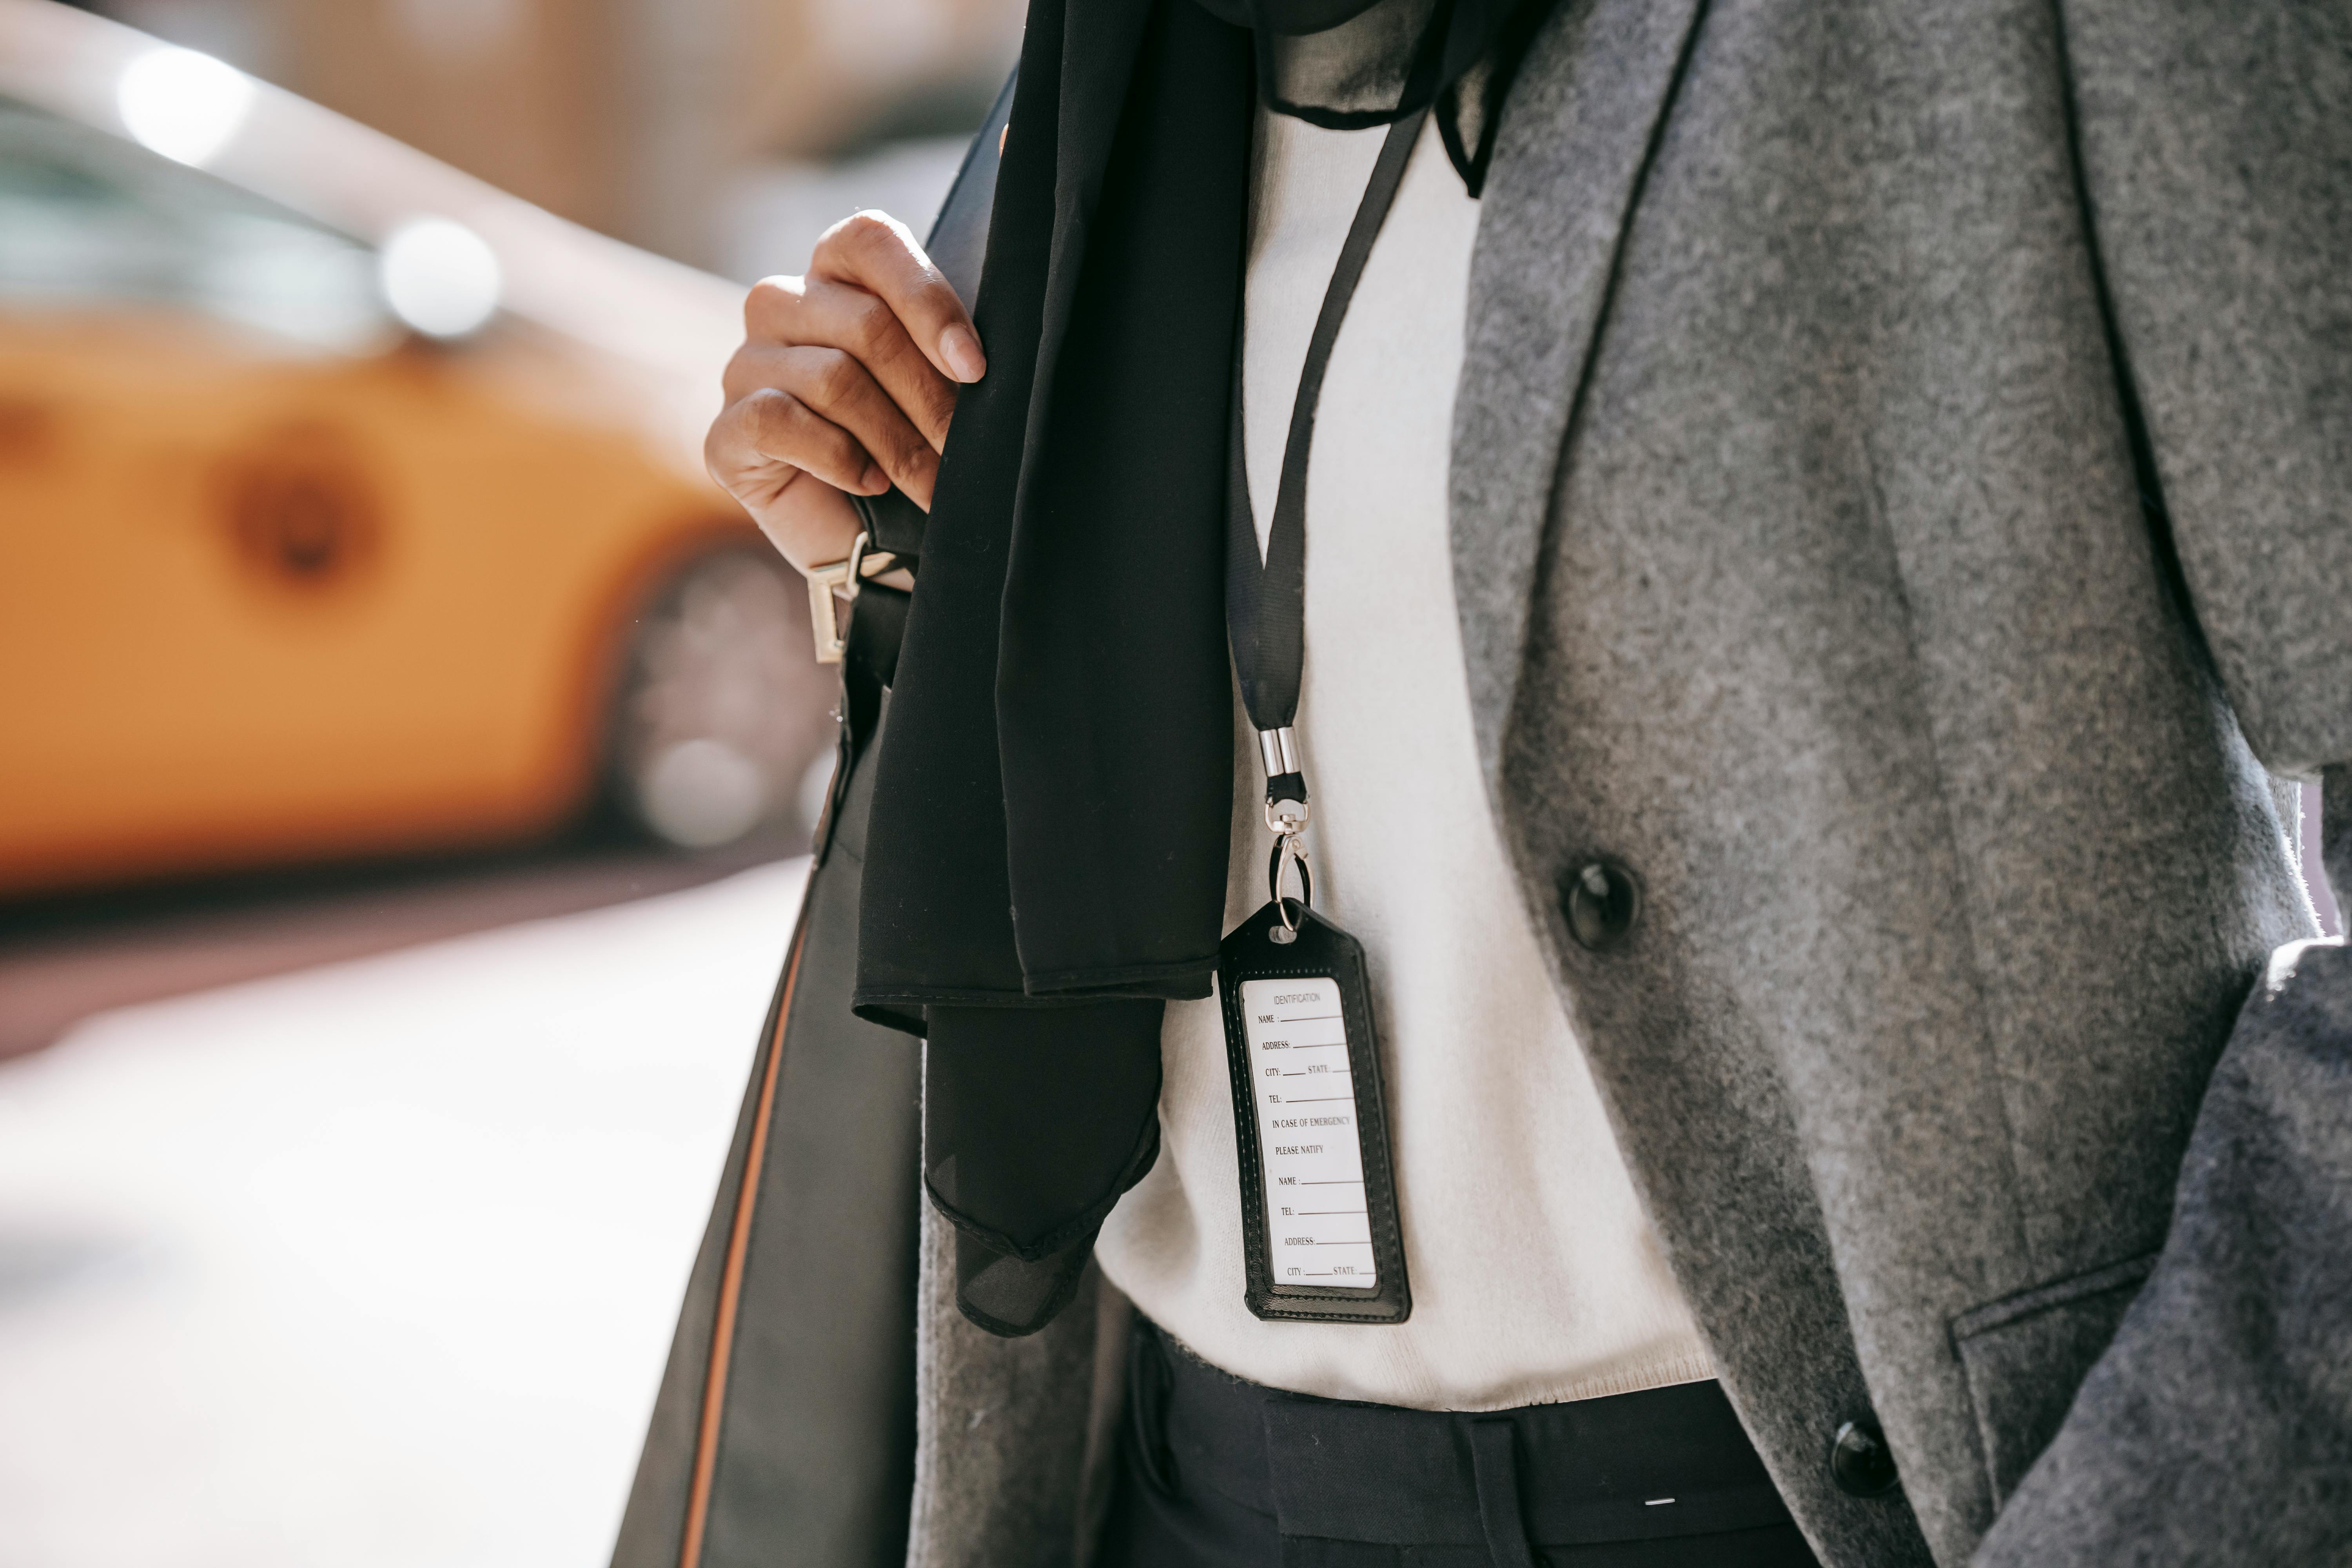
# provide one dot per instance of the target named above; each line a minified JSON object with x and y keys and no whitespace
{"x":2215,"y":140}
{"x":2218,"y":1425}
{"x":2216,"y":146}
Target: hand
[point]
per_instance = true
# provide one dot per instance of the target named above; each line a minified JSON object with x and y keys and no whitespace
{"x":844,"y":386}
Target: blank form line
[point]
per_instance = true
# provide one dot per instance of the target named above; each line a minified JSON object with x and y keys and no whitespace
{"x":1335,"y":1181}
{"x":1306,"y":1018}
{"x":1304,"y":1213}
{"x":1318,"y":1099}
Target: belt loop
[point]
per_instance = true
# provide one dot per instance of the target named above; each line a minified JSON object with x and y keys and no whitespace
{"x":1494,"y":1462}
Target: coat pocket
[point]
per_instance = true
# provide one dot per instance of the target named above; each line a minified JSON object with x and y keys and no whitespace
{"x":2025,"y":1355}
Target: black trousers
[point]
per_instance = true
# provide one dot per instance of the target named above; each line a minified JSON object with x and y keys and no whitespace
{"x":1216,"y":1471}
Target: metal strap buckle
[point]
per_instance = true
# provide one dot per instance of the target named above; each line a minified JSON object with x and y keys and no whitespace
{"x":837,"y":582}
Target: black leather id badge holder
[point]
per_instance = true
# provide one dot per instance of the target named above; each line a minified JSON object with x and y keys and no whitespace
{"x":1318,"y":1199}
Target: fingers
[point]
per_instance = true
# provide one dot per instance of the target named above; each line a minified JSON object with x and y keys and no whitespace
{"x":812,"y":311}
{"x":876,"y":253}
{"x":761,"y":442}
{"x":841,"y":392}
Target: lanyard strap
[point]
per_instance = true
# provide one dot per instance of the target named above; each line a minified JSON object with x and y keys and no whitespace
{"x":1265,"y":604}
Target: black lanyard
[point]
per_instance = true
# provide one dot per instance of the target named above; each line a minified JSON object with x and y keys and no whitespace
{"x":1320,"y":1237}
{"x":1265,"y":604}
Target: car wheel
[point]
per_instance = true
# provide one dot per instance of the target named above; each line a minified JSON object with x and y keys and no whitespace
{"x":720,"y":709}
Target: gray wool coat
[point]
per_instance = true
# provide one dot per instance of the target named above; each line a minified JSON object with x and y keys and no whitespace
{"x":1899,"y":510}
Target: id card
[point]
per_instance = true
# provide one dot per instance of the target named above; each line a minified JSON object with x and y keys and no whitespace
{"x":1318,"y":1201}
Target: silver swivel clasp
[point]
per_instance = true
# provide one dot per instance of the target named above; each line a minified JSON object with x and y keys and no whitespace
{"x":1286,"y":783}
{"x":1288,"y":814}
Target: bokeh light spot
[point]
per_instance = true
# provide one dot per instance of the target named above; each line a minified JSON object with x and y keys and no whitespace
{"x":703,"y":793}
{"x":440,"y":277}
{"x":183,"y":104}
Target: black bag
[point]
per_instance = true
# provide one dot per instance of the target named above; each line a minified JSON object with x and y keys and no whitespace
{"x":784,"y":1431}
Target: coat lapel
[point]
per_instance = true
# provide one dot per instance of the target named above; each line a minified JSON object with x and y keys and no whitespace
{"x":1578,"y":131}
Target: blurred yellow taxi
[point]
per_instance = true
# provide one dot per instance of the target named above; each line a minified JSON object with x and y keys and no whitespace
{"x":348,"y":505}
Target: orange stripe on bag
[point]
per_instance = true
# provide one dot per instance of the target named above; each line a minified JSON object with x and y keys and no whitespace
{"x":730,"y":1279}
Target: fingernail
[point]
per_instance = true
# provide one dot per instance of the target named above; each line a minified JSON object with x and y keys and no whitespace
{"x":872,"y":482}
{"x":962,"y":351}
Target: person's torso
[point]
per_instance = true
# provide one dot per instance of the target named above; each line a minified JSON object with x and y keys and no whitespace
{"x":1534,"y":1276}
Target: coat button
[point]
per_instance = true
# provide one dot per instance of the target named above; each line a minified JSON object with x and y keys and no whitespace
{"x":1601,"y":902}
{"x":1860,"y":1461}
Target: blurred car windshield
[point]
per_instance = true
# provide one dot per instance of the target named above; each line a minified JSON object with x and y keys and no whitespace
{"x":86,"y":219}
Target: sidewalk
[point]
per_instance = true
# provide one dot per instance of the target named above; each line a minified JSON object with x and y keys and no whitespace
{"x":372,"y":1266}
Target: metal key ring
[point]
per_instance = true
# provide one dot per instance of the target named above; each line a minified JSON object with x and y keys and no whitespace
{"x":1287,"y":847}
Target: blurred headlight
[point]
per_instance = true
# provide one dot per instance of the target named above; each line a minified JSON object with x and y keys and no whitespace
{"x":439,"y":277}
{"x":182,"y":105}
